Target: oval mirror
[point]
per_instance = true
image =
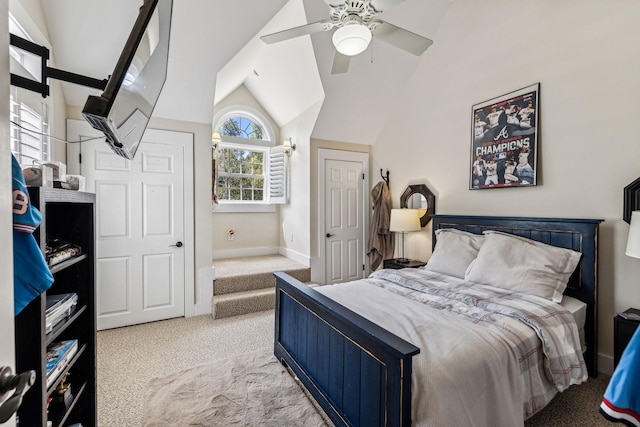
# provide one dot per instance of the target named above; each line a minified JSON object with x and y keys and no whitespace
{"x":419,"y":197}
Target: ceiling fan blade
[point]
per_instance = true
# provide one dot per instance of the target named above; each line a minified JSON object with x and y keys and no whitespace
{"x":340,"y":63}
{"x":297,"y":32}
{"x":401,"y":38}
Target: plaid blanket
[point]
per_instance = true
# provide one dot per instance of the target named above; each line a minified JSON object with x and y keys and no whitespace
{"x":556,"y":332}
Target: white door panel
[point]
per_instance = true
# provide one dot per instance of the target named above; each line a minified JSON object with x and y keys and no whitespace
{"x":140,"y":218}
{"x":113,"y":220}
{"x":159,"y":286}
{"x":116,"y":298}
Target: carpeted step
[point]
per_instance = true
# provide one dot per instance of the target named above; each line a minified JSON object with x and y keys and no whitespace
{"x":239,"y":303}
{"x":248,"y":282}
{"x":246,"y":302}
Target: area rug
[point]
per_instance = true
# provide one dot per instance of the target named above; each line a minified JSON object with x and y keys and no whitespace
{"x":253,"y":389}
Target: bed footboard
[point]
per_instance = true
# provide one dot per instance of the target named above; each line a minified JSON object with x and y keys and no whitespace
{"x":358,"y":372}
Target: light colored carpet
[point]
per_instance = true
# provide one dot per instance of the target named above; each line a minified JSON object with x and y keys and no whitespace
{"x":248,"y":390}
{"x":575,"y":407}
{"x":128,"y":358}
{"x":253,"y":265}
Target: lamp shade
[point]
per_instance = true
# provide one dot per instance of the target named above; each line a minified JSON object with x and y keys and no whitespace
{"x":215,"y":137}
{"x":405,"y":220}
{"x":351,"y":39}
{"x":633,"y":241}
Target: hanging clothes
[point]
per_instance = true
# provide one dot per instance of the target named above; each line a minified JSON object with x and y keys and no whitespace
{"x":31,"y":275}
{"x":621,"y":402}
{"x":381,"y":242}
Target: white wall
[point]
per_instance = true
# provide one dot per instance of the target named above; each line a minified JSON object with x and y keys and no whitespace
{"x":295,"y":216}
{"x":586,"y":56}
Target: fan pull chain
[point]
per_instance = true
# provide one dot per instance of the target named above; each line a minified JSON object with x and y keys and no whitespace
{"x":371,"y":51}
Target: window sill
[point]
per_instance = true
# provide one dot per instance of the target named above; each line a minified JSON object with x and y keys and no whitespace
{"x":242,"y":208}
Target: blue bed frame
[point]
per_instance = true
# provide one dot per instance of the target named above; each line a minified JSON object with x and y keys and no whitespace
{"x":358,"y":372}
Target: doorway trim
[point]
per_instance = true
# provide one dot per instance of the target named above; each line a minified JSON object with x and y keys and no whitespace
{"x":349,"y":156}
{"x":76,"y":129}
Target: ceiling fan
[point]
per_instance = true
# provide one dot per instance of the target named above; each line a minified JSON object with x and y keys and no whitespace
{"x":356,"y":24}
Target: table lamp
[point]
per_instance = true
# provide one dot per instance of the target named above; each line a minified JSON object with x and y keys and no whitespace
{"x":633,"y":241}
{"x":405,"y":220}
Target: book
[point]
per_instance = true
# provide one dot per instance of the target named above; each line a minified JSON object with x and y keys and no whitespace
{"x":58,"y":356}
{"x":59,"y":307}
{"x":630,"y":314}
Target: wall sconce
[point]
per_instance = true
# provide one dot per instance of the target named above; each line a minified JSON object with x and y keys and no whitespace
{"x":215,"y":140}
{"x":288,"y":148}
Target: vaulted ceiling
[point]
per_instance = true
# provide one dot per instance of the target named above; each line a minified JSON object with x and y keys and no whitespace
{"x":215,"y":48}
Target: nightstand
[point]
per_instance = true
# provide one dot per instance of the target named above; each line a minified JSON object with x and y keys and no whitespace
{"x":396,"y":265}
{"x":623,"y":330}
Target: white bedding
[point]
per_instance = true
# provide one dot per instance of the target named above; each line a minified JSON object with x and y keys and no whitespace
{"x":467,"y":373}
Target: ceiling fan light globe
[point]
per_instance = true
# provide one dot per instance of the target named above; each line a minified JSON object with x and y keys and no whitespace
{"x":351,"y":39}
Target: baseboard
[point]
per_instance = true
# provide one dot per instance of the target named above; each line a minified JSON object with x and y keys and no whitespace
{"x":295,"y":256}
{"x":236,"y":253}
{"x":264,"y":250}
{"x":605,"y":364}
{"x":202,"y":305}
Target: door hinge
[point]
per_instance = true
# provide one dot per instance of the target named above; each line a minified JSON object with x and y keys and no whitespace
{"x":80,"y":158}
{"x":363,"y":175}
{"x":362,"y":267}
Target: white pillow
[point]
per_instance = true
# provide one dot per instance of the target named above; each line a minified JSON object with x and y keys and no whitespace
{"x":454,"y":251}
{"x":523,"y":265}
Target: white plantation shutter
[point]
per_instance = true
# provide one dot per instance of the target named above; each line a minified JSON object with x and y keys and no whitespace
{"x":277,"y":175}
{"x":29,"y":134}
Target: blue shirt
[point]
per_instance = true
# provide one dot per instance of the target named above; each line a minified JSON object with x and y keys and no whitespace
{"x":31,"y":275}
{"x":621,"y":402}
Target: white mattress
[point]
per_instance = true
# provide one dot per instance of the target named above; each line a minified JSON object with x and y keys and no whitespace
{"x":579,"y":311}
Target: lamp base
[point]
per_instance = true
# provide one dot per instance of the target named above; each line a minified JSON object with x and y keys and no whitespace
{"x":403,"y":260}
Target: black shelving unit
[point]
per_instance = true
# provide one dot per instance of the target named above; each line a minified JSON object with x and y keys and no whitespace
{"x":70,"y":216}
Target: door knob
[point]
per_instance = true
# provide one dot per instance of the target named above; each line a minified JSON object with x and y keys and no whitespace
{"x":329,"y":234}
{"x":177,"y":245}
{"x":21,"y":383}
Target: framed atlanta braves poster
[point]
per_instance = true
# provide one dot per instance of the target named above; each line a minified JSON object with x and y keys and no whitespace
{"x":504,"y":140}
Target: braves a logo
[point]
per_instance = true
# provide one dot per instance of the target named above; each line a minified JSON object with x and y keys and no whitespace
{"x":20,"y":202}
{"x":502,"y":135}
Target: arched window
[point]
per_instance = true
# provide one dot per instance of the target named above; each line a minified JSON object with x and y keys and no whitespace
{"x":241,"y":127}
{"x":242,"y":159}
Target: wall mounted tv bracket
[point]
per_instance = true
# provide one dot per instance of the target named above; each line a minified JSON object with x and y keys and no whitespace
{"x":47,"y":72}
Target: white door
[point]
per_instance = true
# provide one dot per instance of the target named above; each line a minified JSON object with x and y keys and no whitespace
{"x":141,"y":238}
{"x":7,"y":339}
{"x":344,"y":219}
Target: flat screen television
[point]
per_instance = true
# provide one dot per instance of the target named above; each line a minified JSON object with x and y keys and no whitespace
{"x":123,"y":110}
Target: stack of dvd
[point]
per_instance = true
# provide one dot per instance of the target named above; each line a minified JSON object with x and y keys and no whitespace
{"x":59,"y":307}
{"x":59,"y":355}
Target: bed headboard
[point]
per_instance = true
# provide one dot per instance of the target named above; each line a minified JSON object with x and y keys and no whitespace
{"x":578,"y":234}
